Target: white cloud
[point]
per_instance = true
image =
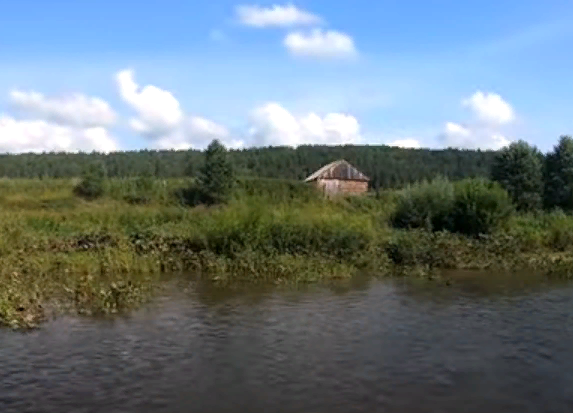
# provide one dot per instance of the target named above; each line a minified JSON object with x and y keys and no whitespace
{"x":271,"y":124}
{"x":278,"y":16}
{"x":196,"y":132}
{"x":490,"y":108}
{"x":38,"y":136}
{"x":406,"y":143}
{"x":162,"y":121}
{"x":320,"y":44}
{"x":159,"y":112}
{"x":73,"y":110}
{"x":458,"y":136}
{"x":492,"y":115}
{"x":455,"y":129}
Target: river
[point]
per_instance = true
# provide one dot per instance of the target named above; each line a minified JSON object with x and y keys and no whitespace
{"x":482,"y":344}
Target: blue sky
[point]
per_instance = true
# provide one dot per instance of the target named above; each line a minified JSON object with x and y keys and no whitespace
{"x":428,"y":73}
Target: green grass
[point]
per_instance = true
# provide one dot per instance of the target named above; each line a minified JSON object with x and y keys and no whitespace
{"x":60,"y":253}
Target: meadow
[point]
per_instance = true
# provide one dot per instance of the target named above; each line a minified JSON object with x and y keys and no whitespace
{"x":62,"y":253}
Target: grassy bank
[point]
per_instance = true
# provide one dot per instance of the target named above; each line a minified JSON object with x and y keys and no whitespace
{"x":61,"y":253}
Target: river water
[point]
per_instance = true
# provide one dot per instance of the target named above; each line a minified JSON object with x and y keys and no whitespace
{"x":478,"y":345}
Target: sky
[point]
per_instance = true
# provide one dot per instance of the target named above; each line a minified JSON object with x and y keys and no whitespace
{"x":124,"y":75}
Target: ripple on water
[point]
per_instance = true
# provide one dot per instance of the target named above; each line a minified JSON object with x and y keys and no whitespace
{"x":389,"y":346}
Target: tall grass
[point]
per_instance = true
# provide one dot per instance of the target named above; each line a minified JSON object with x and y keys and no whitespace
{"x":107,"y":255}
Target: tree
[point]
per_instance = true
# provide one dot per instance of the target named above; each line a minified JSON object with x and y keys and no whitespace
{"x":519,"y":170}
{"x":216,"y":176}
{"x":93,"y":181}
{"x":559,"y":175}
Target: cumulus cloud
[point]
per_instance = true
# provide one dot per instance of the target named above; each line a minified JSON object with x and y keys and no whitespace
{"x":76,"y":109}
{"x":482,"y":137}
{"x":405,"y":143}
{"x":490,"y":108}
{"x":275,"y":16}
{"x":320,"y":44}
{"x":196,"y":132}
{"x":18,"y":136}
{"x":159,"y":112}
{"x":272,"y":124}
{"x":70,"y":123}
{"x":492,"y":115}
{"x":161,"y":119}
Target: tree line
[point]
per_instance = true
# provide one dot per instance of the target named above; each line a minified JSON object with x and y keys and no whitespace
{"x":532,"y":179}
{"x":388,"y":167}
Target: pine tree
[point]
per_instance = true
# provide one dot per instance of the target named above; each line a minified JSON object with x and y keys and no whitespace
{"x":216,"y":177}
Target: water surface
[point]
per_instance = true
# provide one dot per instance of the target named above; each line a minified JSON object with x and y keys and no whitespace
{"x":505,"y":345}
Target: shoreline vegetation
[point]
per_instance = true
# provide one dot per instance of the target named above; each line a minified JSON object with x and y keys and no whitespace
{"x":97,"y":245}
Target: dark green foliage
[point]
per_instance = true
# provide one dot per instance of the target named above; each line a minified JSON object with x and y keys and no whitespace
{"x":216,"y":177}
{"x":480,"y":206}
{"x":278,"y":190}
{"x":387,"y":167}
{"x":470,"y":207}
{"x":519,"y":170}
{"x":559,"y":175}
{"x":93,"y":181}
{"x":192,"y":195}
{"x":425,"y":205}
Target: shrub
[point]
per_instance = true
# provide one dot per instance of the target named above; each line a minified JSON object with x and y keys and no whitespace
{"x":479,"y":207}
{"x":560,"y":230}
{"x":470,"y":207}
{"x":92,"y":182}
{"x":425,"y":205}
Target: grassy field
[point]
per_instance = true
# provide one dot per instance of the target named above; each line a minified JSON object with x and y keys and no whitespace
{"x":60,"y":253}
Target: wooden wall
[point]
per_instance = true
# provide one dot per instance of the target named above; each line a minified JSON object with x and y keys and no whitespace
{"x":343,"y":187}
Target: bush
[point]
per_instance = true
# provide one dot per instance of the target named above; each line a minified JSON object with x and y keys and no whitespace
{"x":425,"y":205}
{"x":470,"y":207}
{"x":92,"y":183}
{"x":479,"y":207}
{"x":195,"y":195}
{"x":560,"y":230}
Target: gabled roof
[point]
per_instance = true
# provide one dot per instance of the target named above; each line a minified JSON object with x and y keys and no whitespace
{"x":338,"y":170}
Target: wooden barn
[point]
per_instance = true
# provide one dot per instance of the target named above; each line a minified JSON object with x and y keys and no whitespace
{"x":339,"y":177}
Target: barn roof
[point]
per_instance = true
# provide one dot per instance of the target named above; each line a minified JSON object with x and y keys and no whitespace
{"x":338,"y":170}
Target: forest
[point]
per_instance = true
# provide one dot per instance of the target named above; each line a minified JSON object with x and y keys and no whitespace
{"x":388,"y":167}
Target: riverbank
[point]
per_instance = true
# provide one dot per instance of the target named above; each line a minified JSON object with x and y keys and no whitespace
{"x":59,"y":253}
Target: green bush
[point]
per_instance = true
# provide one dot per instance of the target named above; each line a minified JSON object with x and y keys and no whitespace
{"x":559,"y":230}
{"x":470,"y":207}
{"x":479,"y":207}
{"x":425,"y":205}
{"x":92,"y":184}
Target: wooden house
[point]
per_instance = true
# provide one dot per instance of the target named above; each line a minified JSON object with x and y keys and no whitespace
{"x":339,"y":177}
